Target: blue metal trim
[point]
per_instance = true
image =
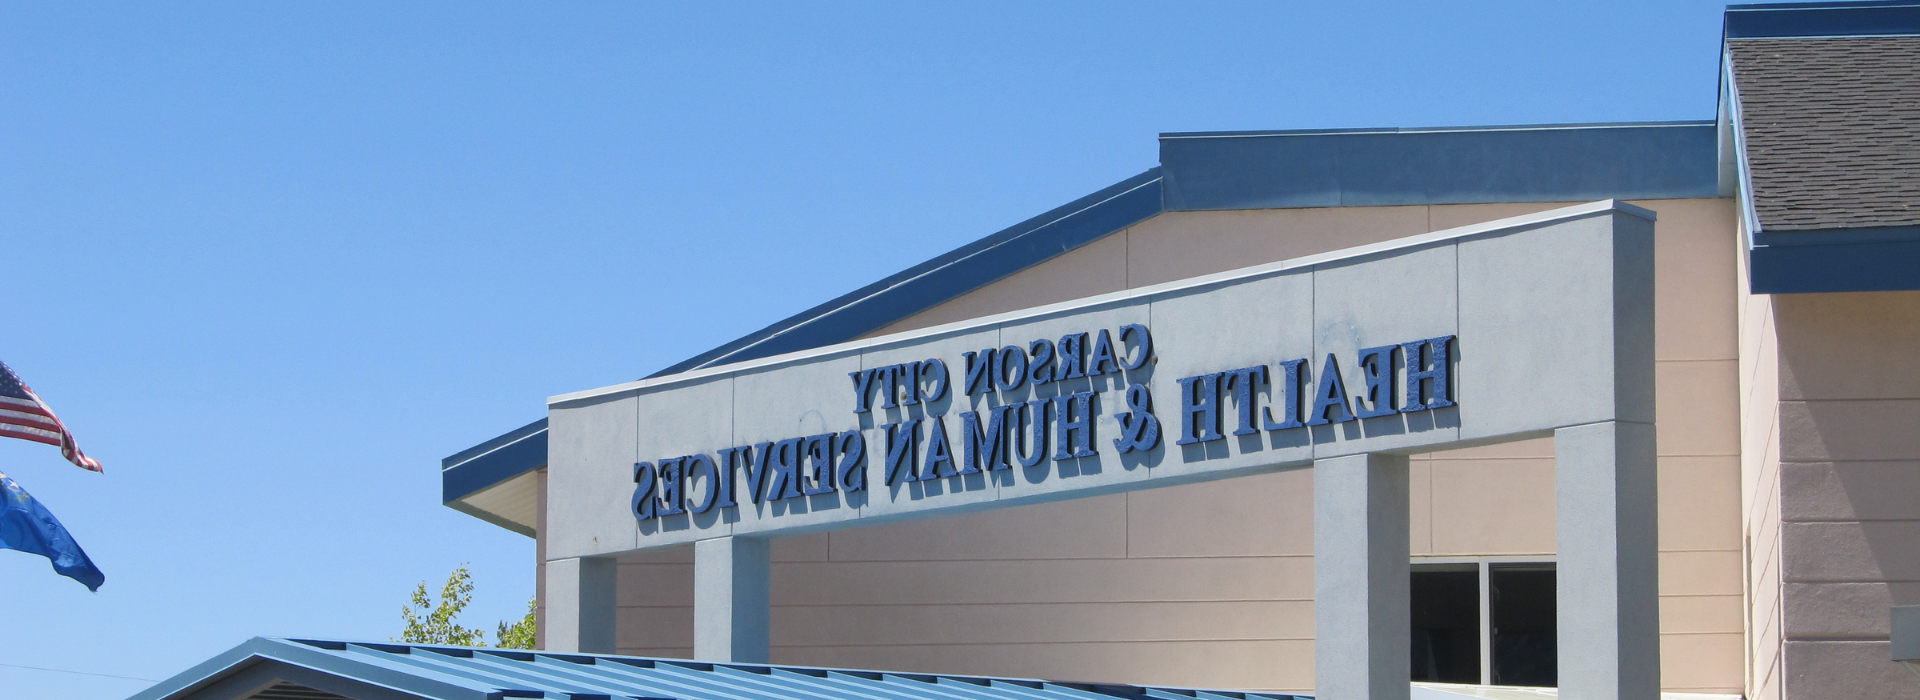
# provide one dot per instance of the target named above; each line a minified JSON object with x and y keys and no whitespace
{"x":494,"y":461}
{"x":1730,"y":89}
{"x":1822,"y":19}
{"x":852,"y":315}
{"x":1385,"y":167}
{"x":1421,"y":129}
{"x":1875,"y":260}
{"x":295,"y":656}
{"x":460,"y":673}
{"x":493,"y":444}
{"x":950,"y":275}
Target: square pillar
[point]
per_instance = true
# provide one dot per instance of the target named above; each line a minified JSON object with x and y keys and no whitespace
{"x":1362,"y":637}
{"x":580,"y":605}
{"x":1608,"y":579}
{"x":731,"y":584}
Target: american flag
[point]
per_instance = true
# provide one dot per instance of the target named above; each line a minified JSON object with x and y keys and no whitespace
{"x":23,"y":415}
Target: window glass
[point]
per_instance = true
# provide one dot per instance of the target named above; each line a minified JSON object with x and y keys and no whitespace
{"x":1524,"y":650}
{"x":1446,"y":623}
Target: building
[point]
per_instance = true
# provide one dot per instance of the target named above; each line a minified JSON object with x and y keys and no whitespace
{"x":1622,"y":408}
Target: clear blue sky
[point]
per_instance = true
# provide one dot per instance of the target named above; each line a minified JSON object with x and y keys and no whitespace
{"x":272,"y":261}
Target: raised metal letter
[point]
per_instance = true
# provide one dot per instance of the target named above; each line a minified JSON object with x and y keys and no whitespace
{"x":1242,"y":383}
{"x":1139,"y":430}
{"x":1145,"y":344}
{"x":1034,"y":451}
{"x":939,"y":453}
{"x":1286,"y":393}
{"x":1200,"y":409}
{"x":900,"y":439}
{"x":1102,"y":355}
{"x":853,"y":455}
{"x":702,"y":466}
{"x":1425,"y":367}
{"x":1376,"y":367}
{"x":1006,"y":374}
{"x":862,"y":386}
{"x":984,"y":446}
{"x":1076,"y":434}
{"x":1331,"y":396}
{"x":642,"y":505}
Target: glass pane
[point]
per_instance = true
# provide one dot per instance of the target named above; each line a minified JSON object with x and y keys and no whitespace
{"x":1523,"y":625}
{"x":1446,"y":626}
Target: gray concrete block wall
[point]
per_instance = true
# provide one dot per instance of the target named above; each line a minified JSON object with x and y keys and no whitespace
{"x":1848,"y":464}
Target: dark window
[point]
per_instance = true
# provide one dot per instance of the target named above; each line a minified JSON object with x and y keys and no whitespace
{"x":1446,"y":623}
{"x":1524,"y":651}
{"x":1513,"y":644}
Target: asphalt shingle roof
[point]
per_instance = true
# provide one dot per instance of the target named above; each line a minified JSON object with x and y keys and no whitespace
{"x":1831,"y":129}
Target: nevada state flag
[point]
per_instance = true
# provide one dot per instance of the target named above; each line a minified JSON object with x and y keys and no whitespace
{"x":27,"y":526}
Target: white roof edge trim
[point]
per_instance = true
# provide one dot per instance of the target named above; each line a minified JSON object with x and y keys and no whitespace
{"x":1569,"y":213}
{"x":502,"y":446}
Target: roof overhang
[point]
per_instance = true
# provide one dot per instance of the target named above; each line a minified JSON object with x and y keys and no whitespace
{"x":496,"y":481}
{"x":1867,"y":259}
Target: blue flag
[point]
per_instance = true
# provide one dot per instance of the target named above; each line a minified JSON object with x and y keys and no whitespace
{"x":26,"y":525}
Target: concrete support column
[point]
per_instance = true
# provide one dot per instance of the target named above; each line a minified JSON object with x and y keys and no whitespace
{"x":1361,"y":646}
{"x":731,"y":584}
{"x":1609,"y":569}
{"x":580,"y":605}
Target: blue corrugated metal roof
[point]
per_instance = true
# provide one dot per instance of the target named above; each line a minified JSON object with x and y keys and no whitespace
{"x":376,"y":671}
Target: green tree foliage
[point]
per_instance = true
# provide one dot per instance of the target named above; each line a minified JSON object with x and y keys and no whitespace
{"x":518,"y":635}
{"x":431,"y":622}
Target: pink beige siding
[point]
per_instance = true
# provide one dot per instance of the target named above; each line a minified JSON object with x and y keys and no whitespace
{"x":1760,"y":491}
{"x":1848,"y":387}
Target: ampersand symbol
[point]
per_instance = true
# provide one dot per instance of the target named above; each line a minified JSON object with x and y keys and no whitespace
{"x":1139,"y":430}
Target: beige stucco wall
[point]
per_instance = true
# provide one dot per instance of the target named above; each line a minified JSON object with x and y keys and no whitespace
{"x":1211,"y":584}
{"x":1848,"y":387}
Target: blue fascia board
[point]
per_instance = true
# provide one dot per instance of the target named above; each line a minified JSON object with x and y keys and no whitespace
{"x":1857,"y":260}
{"x":852,"y":315}
{"x":1388,"y":167}
{"x":493,"y":444}
{"x":1822,"y":19}
{"x":1424,"y":129}
{"x":950,"y":275}
{"x":493,"y":461}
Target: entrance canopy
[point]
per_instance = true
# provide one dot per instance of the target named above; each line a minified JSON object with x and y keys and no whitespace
{"x":1346,"y":362}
